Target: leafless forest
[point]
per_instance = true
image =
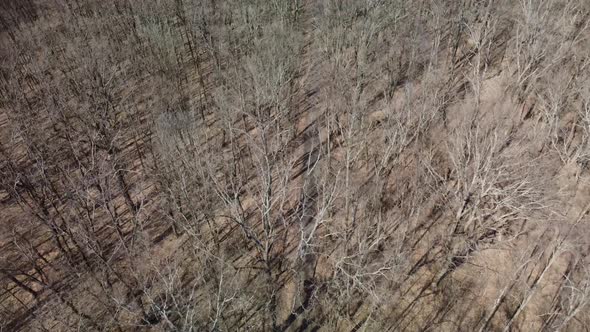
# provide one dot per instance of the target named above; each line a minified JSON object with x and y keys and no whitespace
{"x":294,"y":165}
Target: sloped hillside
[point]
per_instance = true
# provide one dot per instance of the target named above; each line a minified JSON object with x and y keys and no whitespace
{"x":331,"y":165}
